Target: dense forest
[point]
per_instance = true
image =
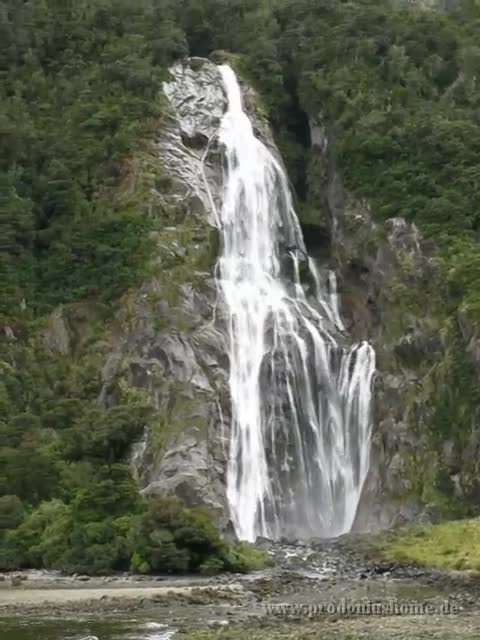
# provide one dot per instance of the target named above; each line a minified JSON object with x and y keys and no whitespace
{"x":80,"y":96}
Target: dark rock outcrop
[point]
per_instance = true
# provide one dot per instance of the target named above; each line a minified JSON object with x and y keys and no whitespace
{"x":385,"y":272}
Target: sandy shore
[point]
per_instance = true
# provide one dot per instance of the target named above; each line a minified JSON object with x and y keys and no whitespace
{"x":55,"y":592}
{"x":15,"y":596}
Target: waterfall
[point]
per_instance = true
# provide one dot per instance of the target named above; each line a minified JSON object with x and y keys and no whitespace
{"x":301,"y":402}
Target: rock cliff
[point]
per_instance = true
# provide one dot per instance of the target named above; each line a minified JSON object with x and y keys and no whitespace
{"x":391,"y":294}
{"x":167,"y":342}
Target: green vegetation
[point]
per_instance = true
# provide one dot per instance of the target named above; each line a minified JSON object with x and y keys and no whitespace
{"x":108,"y":527}
{"x":450,"y":545}
{"x":397,"y":89}
{"x":78,"y":96}
{"x":79,"y":99}
{"x":79,"y":227}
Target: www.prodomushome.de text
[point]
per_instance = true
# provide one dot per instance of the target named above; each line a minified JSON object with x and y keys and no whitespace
{"x":351,"y":607}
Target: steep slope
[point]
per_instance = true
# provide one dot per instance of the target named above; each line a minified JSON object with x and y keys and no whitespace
{"x":392,"y":200}
{"x":108,"y":246}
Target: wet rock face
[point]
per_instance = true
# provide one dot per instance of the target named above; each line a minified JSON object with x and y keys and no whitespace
{"x":185,"y":374}
{"x":169,"y":339}
{"x":198,"y":99}
{"x":187,"y":147}
{"x":378,"y":264}
{"x":184,"y":367}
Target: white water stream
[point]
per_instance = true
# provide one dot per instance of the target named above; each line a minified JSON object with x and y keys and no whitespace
{"x":301,"y":399}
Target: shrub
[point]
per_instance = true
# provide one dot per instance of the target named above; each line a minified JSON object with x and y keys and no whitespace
{"x":212,"y":566}
{"x":106,"y":434}
{"x":111,"y":492}
{"x":244,"y":557}
{"x":171,"y":538}
{"x":11,"y":512}
{"x":43,"y":537}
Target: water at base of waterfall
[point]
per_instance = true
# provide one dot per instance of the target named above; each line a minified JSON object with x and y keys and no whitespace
{"x":94,"y":626}
{"x":301,"y":399}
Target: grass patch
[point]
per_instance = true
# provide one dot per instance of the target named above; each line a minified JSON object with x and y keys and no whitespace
{"x":450,"y":545}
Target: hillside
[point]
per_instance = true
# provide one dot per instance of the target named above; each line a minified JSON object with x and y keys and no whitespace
{"x":375,"y":108}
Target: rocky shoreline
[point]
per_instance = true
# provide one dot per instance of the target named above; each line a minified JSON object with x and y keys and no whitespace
{"x":303,"y":574}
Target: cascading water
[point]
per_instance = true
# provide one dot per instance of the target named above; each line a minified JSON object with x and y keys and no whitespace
{"x":301,"y":404}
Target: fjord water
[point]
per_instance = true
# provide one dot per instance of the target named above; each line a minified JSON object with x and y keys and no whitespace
{"x":104,"y":627}
{"x":301,"y":395}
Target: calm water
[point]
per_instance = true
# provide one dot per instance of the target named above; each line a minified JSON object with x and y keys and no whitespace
{"x":108,"y":628}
